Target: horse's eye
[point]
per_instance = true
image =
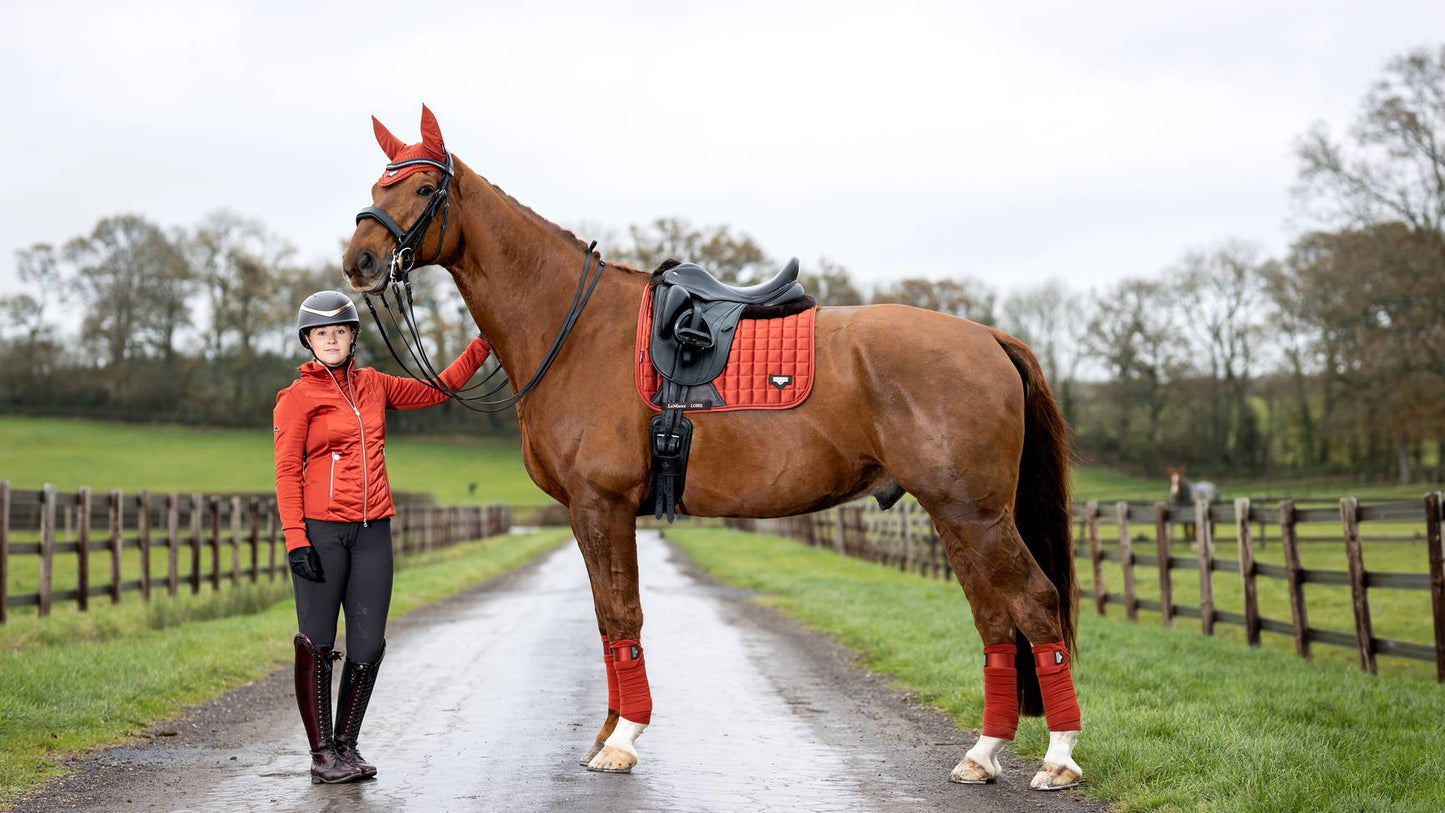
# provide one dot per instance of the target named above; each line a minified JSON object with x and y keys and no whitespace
{"x":425,"y":190}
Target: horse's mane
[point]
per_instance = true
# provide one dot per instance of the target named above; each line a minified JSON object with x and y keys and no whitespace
{"x":565,"y":234}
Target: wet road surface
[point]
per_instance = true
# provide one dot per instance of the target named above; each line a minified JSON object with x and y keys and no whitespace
{"x":486,"y":701}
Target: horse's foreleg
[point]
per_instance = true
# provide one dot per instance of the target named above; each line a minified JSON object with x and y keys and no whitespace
{"x":609,"y":533}
{"x":597,"y":559}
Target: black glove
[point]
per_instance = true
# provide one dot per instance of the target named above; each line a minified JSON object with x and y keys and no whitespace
{"x":306,"y":564}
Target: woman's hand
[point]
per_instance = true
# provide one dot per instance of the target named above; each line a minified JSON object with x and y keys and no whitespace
{"x":306,"y":564}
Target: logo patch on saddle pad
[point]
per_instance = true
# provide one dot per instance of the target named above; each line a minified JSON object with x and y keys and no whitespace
{"x":770,"y":364}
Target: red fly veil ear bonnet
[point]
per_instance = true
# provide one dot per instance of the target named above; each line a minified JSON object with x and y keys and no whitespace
{"x":408,"y":159}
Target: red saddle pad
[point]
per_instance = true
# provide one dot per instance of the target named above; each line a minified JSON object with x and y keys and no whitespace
{"x":770,"y":365}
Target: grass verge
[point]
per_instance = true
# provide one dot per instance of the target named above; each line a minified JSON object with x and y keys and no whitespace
{"x":75,"y":681}
{"x":1173,"y":720}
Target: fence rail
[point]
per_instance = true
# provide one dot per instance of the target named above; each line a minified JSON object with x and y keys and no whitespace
{"x":211,"y":539}
{"x":905,"y":538}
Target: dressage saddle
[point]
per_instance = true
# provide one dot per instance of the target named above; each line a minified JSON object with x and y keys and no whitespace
{"x":694,"y":319}
{"x":695,"y":316}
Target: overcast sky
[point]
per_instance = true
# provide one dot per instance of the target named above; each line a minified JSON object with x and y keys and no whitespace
{"x":1079,"y":141}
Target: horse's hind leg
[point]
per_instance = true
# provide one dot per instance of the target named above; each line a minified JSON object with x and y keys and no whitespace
{"x":1007,"y":590}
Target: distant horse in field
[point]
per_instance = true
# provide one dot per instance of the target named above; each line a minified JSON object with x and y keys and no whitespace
{"x":1184,"y":493}
{"x":904,"y":400}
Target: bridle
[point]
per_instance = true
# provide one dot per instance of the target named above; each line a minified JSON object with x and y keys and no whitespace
{"x":403,"y":257}
{"x":398,"y":280}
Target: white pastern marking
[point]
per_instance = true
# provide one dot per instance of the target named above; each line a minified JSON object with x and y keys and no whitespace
{"x":625,"y":734}
{"x":985,"y":753}
{"x":1061,"y":750}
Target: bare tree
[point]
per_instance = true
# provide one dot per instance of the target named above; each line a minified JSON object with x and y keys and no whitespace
{"x":831,"y":284}
{"x":1134,"y":334}
{"x":123,"y":271}
{"x":965,"y":296}
{"x":1052,"y":320}
{"x":732,"y":257}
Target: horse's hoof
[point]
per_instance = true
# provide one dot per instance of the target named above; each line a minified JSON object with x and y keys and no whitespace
{"x":1056,"y":777}
{"x":612,"y":760}
{"x":969,"y":772}
{"x":591,"y":752}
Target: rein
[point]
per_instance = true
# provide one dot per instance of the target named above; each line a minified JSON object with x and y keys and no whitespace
{"x":398,"y":280}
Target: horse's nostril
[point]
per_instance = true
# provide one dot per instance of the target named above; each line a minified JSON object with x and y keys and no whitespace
{"x":366,"y":262}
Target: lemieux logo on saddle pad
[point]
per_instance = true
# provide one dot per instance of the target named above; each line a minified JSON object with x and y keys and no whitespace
{"x":780,"y":381}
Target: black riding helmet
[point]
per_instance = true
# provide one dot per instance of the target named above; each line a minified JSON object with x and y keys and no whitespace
{"x":326,"y":308}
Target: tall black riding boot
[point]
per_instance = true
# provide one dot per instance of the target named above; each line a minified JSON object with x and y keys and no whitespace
{"x":357,"y":681}
{"x":313,"y":697}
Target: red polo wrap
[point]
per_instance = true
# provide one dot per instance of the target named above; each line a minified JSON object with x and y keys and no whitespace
{"x":1000,"y":691}
{"x":607,"y":660}
{"x":1056,"y":682}
{"x":631,"y":672}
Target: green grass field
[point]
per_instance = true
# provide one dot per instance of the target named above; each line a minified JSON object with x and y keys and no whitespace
{"x":74,"y":681}
{"x":1173,"y":720}
{"x":35,"y":451}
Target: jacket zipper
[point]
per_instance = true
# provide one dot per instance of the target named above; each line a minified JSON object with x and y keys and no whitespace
{"x":335,"y":456}
{"x":365,"y":485}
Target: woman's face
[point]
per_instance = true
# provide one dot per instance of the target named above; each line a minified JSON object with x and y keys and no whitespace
{"x":331,"y":343}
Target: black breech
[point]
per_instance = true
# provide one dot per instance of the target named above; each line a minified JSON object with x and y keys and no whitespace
{"x":356,"y":561}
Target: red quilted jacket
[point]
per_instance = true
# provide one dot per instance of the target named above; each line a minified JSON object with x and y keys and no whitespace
{"x":330,"y":455}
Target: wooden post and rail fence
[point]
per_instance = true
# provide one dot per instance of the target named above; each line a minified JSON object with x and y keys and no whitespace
{"x":186,"y":541}
{"x":904,"y":537}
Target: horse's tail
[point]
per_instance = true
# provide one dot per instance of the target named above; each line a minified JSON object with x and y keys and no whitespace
{"x":1042,"y":511}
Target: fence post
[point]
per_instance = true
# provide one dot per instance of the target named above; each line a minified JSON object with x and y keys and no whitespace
{"x":143,"y":530}
{"x":906,"y":526}
{"x":117,"y":500}
{"x":82,"y":547}
{"x":1289,"y":542}
{"x":1126,"y":560}
{"x":4,"y":544}
{"x":271,"y":539}
{"x":1161,"y":541}
{"x":1096,"y":555}
{"x":213,"y":506}
{"x":1204,"y":535}
{"x":197,"y":510}
{"x":1246,"y":570}
{"x":1437,"y":577}
{"x":235,"y":511}
{"x":1364,"y":631}
{"x":47,"y":546}
{"x":253,"y":509}
{"x":173,"y":542}
{"x":840,"y":539}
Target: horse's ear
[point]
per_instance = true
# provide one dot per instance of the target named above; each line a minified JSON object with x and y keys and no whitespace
{"x":431,"y":133}
{"x":390,"y":144}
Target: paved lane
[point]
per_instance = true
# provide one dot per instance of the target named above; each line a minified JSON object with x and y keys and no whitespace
{"x":485,"y":702}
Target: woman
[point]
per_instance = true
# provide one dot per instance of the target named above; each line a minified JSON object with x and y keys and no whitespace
{"x":335,"y":505}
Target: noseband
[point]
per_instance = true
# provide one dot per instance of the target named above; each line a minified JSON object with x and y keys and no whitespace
{"x":398,"y":280}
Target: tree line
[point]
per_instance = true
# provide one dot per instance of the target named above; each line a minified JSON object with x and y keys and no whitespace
{"x":1330,"y":358}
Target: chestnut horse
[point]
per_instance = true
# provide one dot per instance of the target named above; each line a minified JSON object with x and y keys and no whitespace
{"x":955,"y":413}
